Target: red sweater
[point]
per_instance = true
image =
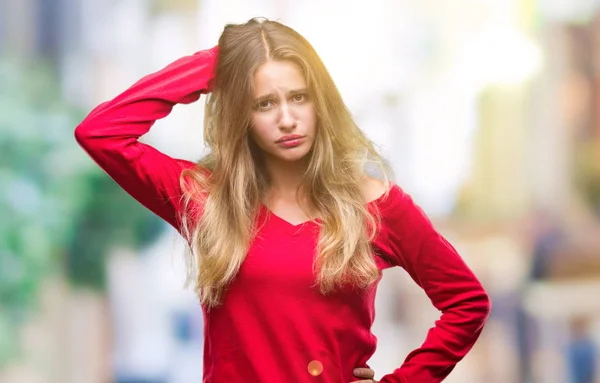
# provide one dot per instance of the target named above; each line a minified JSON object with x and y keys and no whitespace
{"x":274,"y":326}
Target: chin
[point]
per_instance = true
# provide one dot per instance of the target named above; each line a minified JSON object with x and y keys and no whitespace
{"x":294,"y":156}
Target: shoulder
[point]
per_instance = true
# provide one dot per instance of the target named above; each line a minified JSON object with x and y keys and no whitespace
{"x":373,"y":189}
{"x":389,"y":198}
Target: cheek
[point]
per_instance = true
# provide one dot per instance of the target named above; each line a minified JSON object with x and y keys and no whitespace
{"x":260,"y":130}
{"x":311,"y":120}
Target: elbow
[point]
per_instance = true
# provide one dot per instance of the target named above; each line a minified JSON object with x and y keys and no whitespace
{"x":488,"y":305}
{"x":87,"y":133}
{"x":88,"y":128}
{"x":483,"y":306}
{"x":83,"y":133}
{"x":476,"y":306}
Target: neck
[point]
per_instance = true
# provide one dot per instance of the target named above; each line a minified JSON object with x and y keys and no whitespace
{"x":285,"y":177}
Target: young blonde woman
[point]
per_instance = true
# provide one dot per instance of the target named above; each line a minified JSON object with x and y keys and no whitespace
{"x":288,"y":235}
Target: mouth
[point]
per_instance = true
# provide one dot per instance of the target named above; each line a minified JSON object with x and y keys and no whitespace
{"x":288,"y":138}
{"x":290,"y":141}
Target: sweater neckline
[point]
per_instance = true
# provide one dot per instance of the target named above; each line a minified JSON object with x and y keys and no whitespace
{"x":286,"y":226}
{"x":295,"y":229}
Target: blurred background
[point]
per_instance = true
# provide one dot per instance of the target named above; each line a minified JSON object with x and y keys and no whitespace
{"x":488,"y":110}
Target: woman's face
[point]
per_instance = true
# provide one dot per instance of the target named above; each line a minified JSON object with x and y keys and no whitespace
{"x":283,"y":117}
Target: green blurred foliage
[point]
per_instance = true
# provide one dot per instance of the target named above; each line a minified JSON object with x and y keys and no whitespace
{"x":37,"y":166}
{"x":110,"y":218}
{"x":59,"y":213}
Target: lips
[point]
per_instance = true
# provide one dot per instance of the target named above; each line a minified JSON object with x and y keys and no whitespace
{"x":290,"y":137}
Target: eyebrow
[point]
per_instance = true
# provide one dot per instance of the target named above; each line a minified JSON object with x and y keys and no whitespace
{"x":272,"y":95}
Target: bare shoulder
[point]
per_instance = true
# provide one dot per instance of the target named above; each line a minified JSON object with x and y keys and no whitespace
{"x":373,"y":188}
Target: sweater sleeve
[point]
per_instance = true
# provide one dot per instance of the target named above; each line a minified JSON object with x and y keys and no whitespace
{"x":432,"y":262}
{"x":110,"y":133}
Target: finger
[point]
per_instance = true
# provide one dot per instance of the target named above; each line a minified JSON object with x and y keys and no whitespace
{"x":364,"y":373}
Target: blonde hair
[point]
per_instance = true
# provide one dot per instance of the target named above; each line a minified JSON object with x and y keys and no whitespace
{"x":223,"y":195}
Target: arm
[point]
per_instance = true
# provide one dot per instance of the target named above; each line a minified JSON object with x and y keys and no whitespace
{"x":437,"y":268}
{"x":110,"y":133}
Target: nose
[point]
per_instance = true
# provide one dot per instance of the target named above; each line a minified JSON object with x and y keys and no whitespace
{"x":287,"y":121}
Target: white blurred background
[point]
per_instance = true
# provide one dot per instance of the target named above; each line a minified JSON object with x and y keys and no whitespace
{"x":488,"y":110}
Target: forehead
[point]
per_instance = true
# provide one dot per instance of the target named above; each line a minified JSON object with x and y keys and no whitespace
{"x":278,"y":76}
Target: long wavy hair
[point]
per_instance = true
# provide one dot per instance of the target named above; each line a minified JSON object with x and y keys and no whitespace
{"x":222,"y":196}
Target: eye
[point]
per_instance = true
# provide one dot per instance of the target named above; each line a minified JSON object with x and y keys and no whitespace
{"x":300,"y":97}
{"x":264,"y":105}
